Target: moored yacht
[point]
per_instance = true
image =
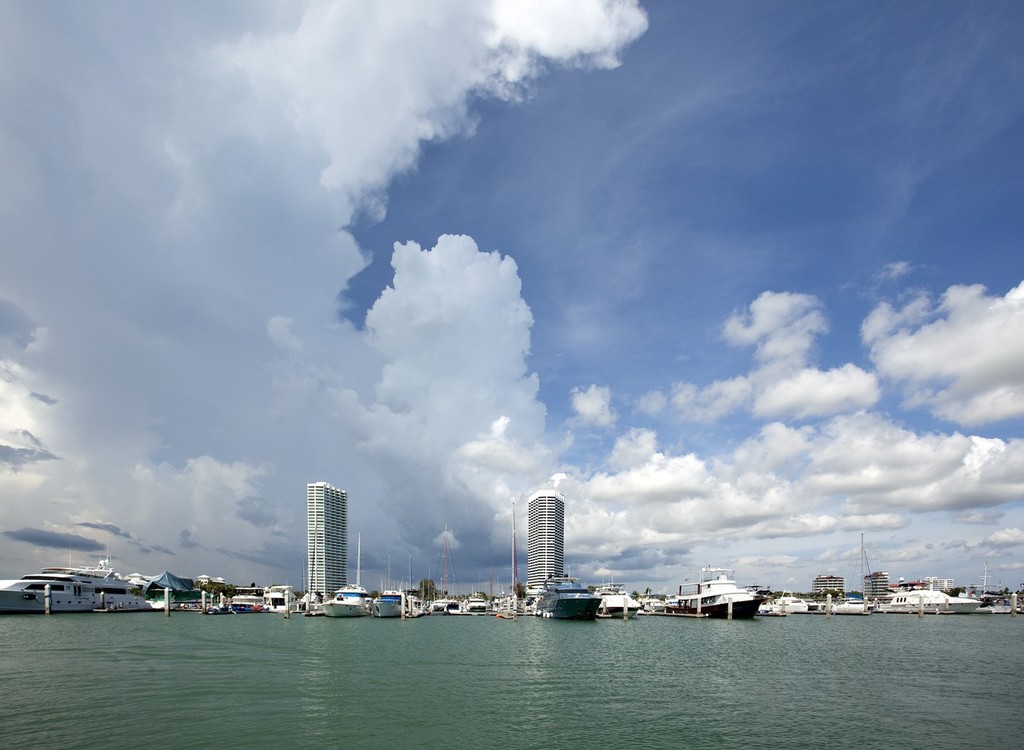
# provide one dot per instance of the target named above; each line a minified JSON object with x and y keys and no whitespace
{"x":348,"y":601}
{"x":388,"y":604}
{"x":351,"y":600}
{"x":279,"y":598}
{"x":787,"y":604}
{"x":852,"y":605}
{"x":567,"y":599}
{"x":72,"y":589}
{"x":616,"y":602}
{"x":715,"y":595}
{"x":914,"y":598}
{"x":474,"y":605}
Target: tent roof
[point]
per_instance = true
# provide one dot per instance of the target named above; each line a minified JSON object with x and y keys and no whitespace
{"x":168,"y":580}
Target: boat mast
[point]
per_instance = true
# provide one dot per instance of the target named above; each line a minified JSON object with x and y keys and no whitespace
{"x":359,"y":553}
{"x":863,"y":583}
{"x":444,"y":562}
{"x":515,"y":572}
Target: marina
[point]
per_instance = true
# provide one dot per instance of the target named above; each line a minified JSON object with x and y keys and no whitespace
{"x":535,"y":682}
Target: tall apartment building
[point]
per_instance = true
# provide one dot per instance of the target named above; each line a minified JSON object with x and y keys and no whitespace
{"x":939,"y":584}
{"x":326,"y":538}
{"x":545,"y":546}
{"x":827,"y":582}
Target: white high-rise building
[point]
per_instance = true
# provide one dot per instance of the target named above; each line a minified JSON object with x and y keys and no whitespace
{"x":545,"y":547}
{"x":326,"y":538}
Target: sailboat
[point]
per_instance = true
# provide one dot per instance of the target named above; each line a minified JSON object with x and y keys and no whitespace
{"x":391,"y":602}
{"x":852,"y":605}
{"x":350,"y":600}
{"x":444,"y":604}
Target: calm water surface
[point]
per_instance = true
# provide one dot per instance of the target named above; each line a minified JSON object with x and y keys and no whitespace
{"x":189,"y":681}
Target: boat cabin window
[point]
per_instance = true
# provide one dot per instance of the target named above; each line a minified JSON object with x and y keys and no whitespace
{"x":42,"y":586}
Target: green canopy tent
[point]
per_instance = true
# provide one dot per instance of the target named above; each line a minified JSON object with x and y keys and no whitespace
{"x":182,"y":589}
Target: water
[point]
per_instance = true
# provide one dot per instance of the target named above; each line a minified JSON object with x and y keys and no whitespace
{"x":189,"y":681}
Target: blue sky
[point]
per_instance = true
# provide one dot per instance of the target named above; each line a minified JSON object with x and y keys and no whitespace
{"x":744,"y":280}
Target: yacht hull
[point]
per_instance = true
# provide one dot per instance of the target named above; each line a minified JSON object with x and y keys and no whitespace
{"x":740,"y":609}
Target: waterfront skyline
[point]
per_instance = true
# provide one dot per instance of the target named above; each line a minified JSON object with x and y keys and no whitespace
{"x":742,"y":282}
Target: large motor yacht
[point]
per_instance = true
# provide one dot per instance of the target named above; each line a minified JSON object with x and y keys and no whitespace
{"x":715,"y":595}
{"x":349,"y":601}
{"x":616,"y":602}
{"x":914,"y":598}
{"x":72,"y":590}
{"x":388,"y":604}
{"x":567,"y":599}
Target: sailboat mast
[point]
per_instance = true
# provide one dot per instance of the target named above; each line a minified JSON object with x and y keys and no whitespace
{"x":359,"y":554}
{"x":515,"y":570}
{"x":444,"y":562}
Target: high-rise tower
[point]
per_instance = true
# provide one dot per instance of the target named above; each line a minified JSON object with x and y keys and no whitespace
{"x":326,"y":538}
{"x":545,"y":549}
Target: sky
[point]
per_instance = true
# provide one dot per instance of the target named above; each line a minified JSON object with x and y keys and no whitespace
{"x":743,"y":281}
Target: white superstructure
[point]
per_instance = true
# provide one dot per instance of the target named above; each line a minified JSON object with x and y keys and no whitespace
{"x":912,"y":600}
{"x":72,"y":589}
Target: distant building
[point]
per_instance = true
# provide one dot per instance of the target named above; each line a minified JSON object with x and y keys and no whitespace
{"x":545,"y":547}
{"x":827,"y":582}
{"x":876,"y":584}
{"x":939,"y":584}
{"x":326,"y":538}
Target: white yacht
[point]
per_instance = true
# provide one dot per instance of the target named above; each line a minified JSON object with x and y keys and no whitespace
{"x":476,"y":605}
{"x":279,"y":598}
{"x":444,"y":606}
{"x":349,"y":601}
{"x":72,"y":590}
{"x":787,"y":604}
{"x":616,"y":602}
{"x":852,"y":606}
{"x":715,"y":595}
{"x":914,"y":598}
{"x":388,"y":604}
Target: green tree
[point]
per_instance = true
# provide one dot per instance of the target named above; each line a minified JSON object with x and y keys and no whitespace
{"x":428,"y":589}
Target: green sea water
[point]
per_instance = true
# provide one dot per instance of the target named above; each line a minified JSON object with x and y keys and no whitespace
{"x":194,"y":681}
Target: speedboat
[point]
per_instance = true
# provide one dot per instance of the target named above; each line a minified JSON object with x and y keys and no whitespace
{"x":349,"y":601}
{"x":715,"y":595}
{"x":388,"y":604}
{"x":914,"y":598}
{"x":567,"y":599}
{"x":72,"y":589}
{"x":616,"y":602}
